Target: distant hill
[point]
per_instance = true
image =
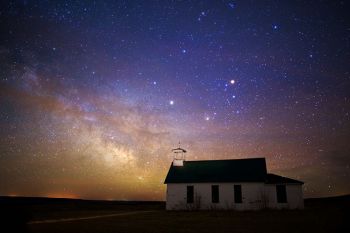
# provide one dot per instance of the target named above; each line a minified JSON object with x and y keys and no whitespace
{"x":48,"y":200}
{"x":328,"y":202}
{"x":332,"y":198}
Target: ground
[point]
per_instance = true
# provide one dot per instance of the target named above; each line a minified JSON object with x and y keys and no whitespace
{"x":319,"y":215}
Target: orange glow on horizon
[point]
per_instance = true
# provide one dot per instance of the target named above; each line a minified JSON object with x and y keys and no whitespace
{"x":62,"y":195}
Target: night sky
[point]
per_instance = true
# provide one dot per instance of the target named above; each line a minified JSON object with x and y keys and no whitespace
{"x":94,"y":95}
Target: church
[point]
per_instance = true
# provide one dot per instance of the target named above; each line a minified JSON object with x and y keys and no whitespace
{"x":239,"y":184}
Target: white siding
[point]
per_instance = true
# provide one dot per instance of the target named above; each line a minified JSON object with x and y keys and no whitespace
{"x":254,"y":196}
{"x":295,"y":198}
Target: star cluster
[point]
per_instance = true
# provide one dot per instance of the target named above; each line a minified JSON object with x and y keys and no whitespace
{"x":94,"y":95}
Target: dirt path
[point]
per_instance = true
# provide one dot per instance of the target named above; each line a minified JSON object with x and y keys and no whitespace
{"x":90,"y":217}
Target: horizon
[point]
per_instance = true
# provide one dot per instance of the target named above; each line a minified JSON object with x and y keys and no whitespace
{"x":82,"y":199}
{"x":93,"y":96}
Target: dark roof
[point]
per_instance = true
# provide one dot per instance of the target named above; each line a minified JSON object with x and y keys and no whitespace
{"x":275,"y":179}
{"x":234,"y":170}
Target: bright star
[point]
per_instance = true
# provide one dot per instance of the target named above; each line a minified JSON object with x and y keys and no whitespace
{"x":232,"y":81}
{"x":207,"y":118}
{"x":184,"y":51}
{"x":171,"y":102}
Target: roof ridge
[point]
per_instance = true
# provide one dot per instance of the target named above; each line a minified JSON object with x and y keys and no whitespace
{"x":209,"y":160}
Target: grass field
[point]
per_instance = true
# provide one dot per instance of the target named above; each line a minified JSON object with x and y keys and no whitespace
{"x":320,"y":215}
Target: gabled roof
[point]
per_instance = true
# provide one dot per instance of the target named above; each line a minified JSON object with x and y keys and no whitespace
{"x":234,"y":170}
{"x":275,"y":179}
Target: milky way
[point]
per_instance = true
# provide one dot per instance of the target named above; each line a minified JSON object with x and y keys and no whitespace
{"x":94,"y":95}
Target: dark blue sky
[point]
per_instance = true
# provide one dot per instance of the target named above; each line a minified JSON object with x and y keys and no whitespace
{"x":101,"y":91}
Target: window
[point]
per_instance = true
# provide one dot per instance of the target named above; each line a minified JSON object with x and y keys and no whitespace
{"x":215,"y":193}
{"x":281,"y":194}
{"x":238,"y":193}
{"x":190,"y":193}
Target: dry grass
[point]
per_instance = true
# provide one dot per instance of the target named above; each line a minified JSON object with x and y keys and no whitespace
{"x":321,"y":215}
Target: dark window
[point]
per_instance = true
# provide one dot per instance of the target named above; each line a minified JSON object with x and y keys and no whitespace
{"x":190,"y":193}
{"x":281,"y":193}
{"x":215,"y":193}
{"x":238,"y":193}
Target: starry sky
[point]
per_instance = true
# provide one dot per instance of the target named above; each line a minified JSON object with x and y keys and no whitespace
{"x":95,"y":94}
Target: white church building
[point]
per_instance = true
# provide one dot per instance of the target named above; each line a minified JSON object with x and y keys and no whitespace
{"x":240,"y":184}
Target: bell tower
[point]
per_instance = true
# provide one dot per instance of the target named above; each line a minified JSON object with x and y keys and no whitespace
{"x":179,"y":156}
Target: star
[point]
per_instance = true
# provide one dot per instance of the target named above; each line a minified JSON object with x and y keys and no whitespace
{"x":231,"y":5}
{"x":171,"y":102}
{"x":232,"y":81}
